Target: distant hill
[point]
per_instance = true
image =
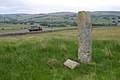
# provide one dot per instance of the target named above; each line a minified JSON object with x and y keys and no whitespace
{"x":62,"y":13}
{"x":99,"y":18}
{"x":106,"y":18}
{"x":115,"y":13}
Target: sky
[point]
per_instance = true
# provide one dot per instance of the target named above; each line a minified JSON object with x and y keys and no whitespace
{"x":49,"y":6}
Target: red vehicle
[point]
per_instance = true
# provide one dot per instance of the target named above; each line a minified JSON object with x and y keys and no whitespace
{"x":35,"y":28}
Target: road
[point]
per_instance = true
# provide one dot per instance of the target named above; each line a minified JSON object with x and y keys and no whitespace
{"x":34,"y":32}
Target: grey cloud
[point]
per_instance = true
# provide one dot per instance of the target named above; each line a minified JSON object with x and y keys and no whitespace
{"x":10,"y":3}
{"x":13,"y":6}
{"x":20,"y":6}
{"x":12,"y":10}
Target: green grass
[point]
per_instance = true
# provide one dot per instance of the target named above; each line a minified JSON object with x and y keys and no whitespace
{"x":22,"y":27}
{"x":13,"y":27}
{"x":41,"y":56}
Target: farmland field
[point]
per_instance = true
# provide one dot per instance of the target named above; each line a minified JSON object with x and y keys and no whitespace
{"x":56,"y":19}
{"x":13,"y":27}
{"x":22,"y":28}
{"x":41,"y":56}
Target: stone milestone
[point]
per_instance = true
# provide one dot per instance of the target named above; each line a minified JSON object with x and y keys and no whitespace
{"x":84,"y":37}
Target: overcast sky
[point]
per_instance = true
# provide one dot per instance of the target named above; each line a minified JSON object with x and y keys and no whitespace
{"x":48,"y":6}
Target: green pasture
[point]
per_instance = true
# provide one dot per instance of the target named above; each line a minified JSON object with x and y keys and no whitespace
{"x":41,"y":56}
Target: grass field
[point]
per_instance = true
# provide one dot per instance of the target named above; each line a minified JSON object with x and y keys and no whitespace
{"x":41,"y":56}
{"x":5,"y":28}
{"x":13,"y":27}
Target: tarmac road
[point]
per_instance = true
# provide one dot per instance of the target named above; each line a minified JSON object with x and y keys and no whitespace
{"x":16,"y":33}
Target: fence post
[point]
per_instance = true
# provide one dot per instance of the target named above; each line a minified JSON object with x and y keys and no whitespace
{"x":84,"y":37}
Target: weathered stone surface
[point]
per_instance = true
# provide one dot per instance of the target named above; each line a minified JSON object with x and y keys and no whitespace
{"x":84,"y":37}
{"x":71,"y":64}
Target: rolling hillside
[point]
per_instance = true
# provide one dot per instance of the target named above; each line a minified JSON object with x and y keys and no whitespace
{"x":99,"y":18}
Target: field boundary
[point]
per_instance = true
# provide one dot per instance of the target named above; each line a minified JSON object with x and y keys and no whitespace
{"x":34,"y":32}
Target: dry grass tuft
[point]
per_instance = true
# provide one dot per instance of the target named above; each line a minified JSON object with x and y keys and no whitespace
{"x":108,"y":53}
{"x":53,"y":62}
{"x":63,"y":48}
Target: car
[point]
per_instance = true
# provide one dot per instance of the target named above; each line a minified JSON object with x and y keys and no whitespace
{"x":35,"y":28}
